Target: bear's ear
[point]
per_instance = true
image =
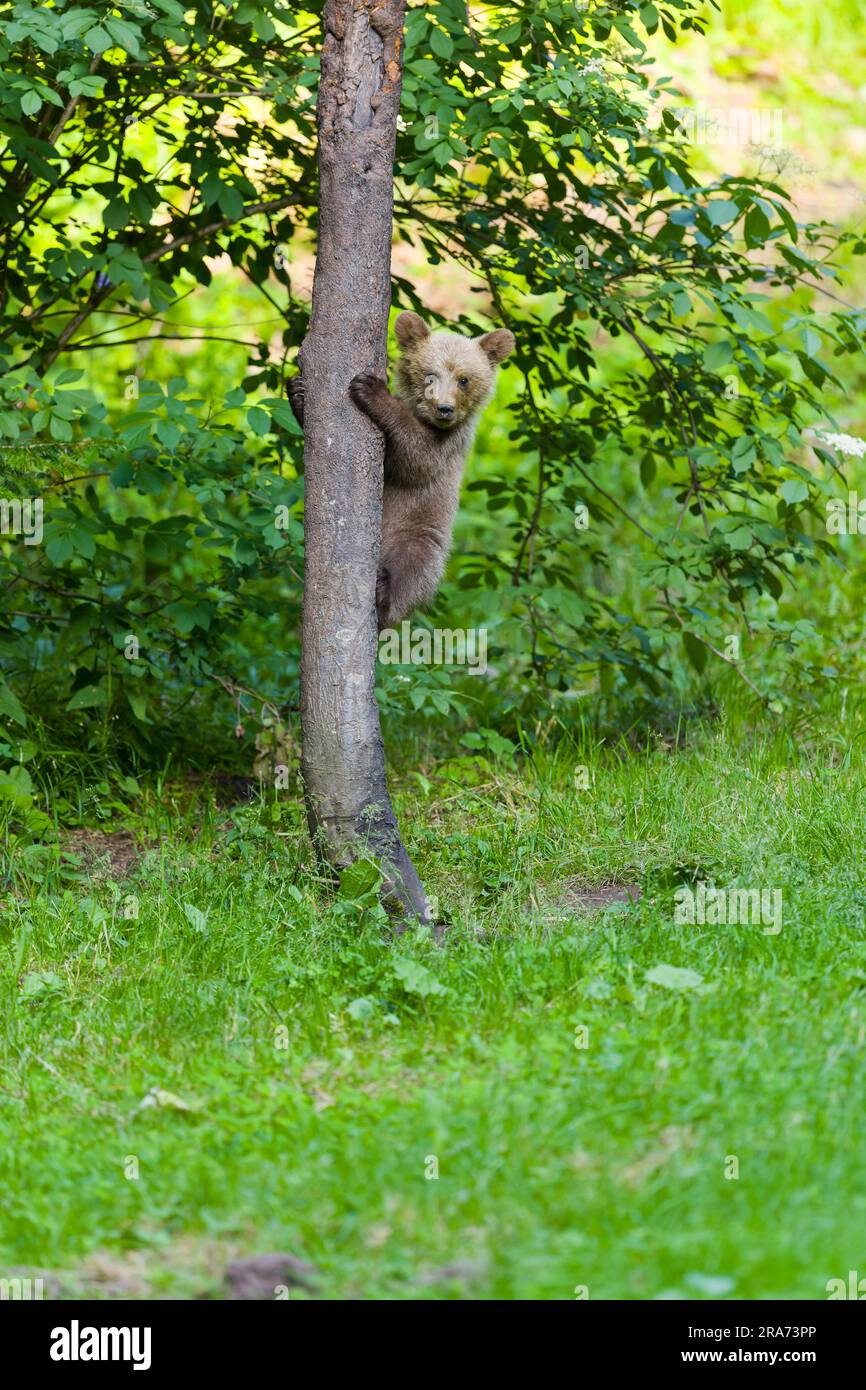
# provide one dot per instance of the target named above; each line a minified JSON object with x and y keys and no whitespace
{"x":497,"y":345}
{"x":409,"y":329}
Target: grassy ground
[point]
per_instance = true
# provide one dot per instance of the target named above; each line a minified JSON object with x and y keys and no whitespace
{"x":328,"y":1072}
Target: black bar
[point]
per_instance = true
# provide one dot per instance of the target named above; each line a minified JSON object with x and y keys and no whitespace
{"x":249,"y":1338}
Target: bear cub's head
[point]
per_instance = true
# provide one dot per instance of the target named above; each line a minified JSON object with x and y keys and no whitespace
{"x":445,"y":377}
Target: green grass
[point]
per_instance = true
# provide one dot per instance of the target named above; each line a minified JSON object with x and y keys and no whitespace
{"x":558,"y":1166}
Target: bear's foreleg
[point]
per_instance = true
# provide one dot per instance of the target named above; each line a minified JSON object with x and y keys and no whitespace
{"x":410,"y":458}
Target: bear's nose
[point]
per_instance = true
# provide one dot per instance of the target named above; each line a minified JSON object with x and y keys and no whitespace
{"x":444,"y":411}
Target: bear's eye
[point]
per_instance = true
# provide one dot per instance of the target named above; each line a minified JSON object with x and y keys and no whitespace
{"x":463,"y":381}
{"x":429,"y":378}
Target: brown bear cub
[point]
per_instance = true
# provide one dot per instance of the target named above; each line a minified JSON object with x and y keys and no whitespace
{"x":442,"y":383}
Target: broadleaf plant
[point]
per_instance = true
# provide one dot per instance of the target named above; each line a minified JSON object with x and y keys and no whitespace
{"x":652,"y":483}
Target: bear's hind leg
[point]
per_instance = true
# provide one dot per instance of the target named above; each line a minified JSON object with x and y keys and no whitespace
{"x":383,"y":597}
{"x":408,"y":579}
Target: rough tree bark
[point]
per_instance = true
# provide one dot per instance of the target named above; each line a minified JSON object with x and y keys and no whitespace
{"x":343,"y":761}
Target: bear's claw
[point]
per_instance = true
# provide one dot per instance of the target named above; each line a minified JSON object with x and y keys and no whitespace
{"x":365,"y":388}
{"x":297,"y":395}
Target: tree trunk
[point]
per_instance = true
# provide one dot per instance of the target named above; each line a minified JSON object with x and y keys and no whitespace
{"x":343,"y":759}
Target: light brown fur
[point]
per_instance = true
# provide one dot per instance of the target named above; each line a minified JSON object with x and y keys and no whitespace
{"x":443,"y":381}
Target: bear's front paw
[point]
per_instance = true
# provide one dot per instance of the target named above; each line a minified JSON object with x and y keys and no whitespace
{"x":367,"y":390}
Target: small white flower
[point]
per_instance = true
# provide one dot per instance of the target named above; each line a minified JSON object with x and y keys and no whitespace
{"x":845,"y":443}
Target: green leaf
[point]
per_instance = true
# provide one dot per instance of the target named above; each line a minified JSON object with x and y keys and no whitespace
{"x":138,"y":705}
{"x":673,"y":977}
{"x":59,"y":547}
{"x":696,"y":651}
{"x":59,"y":428}
{"x":360,"y":879}
{"x":115,"y":214}
{"x":717,"y":355}
{"x":16,"y":785}
{"x":97,"y":39}
{"x":441,"y":43}
{"x":259,"y":420}
{"x":756,"y":227}
{"x":88,"y":697}
{"x":721,"y":211}
{"x":168,"y":434}
{"x":740,"y":539}
{"x":196,"y":918}
{"x":794,"y":490}
{"x":417,"y":979}
{"x":11,"y":707}
{"x":283,"y":414}
{"x":362,"y":1009}
{"x":124,"y":35}
{"x":42,"y":984}
{"x":230,"y":200}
